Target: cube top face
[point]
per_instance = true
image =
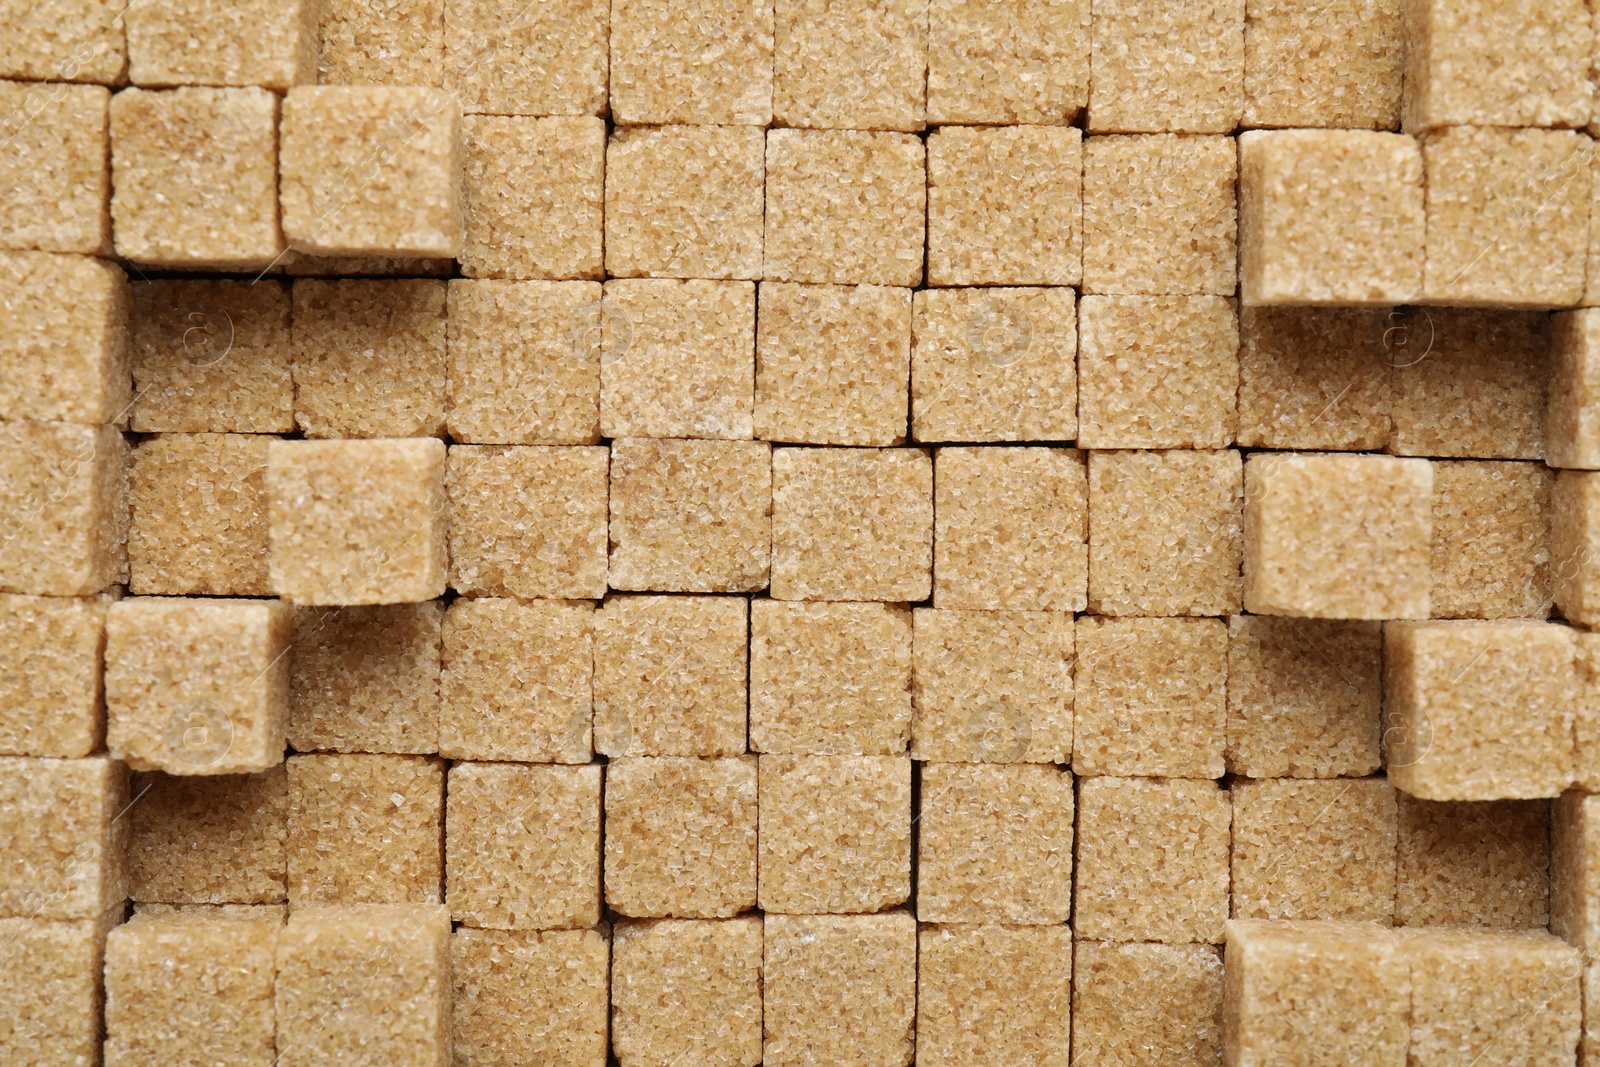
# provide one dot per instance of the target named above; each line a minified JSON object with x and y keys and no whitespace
{"x":51,"y":665}
{"x":63,"y":489}
{"x":77,"y":41}
{"x":258,"y":42}
{"x":1161,"y":67}
{"x":988,"y":993}
{"x":1012,"y":62}
{"x":682,"y":987}
{"x":1336,"y":65}
{"x":857,"y":67}
{"x":1128,"y":996}
{"x":57,"y":182}
{"x":61,"y":828}
{"x":703,"y":63}
{"x":65,"y":324}
{"x":210,"y":842}
{"x":506,"y":58}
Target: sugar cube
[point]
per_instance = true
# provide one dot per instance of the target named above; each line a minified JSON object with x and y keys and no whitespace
{"x":55,"y":180}
{"x":1017,"y":61}
{"x":366,"y":679}
{"x":1465,"y":863}
{"x":1166,"y":67}
{"x":382,"y":42}
{"x":521,"y":993}
{"x":505,"y":57}
{"x":687,"y":989}
{"x":852,"y":66}
{"x":65,"y":40}
{"x":65,"y":837}
{"x":51,"y":652}
{"x":198,"y":515}
{"x":1575,"y":869}
{"x":1491,"y":532}
{"x":1319,"y":378}
{"x":701,"y":63}
{"x":991,"y":995}
{"x":1575,"y":545}
{"x":52,"y":1009}
{"x":1330,"y":64}
{"x":214,"y":840}
{"x":1572,"y":412}
{"x":1134,"y":1001}
{"x":193,"y":42}
{"x":65,"y":339}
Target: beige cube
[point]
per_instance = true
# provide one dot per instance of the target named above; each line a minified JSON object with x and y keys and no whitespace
{"x":55,"y":181}
{"x":64,"y":502}
{"x":193,"y":42}
{"x":1017,"y":61}
{"x":198,"y":515}
{"x":1491,"y":539}
{"x":530,"y":992}
{"x":855,"y":66}
{"x":51,"y":660}
{"x":1332,"y":64}
{"x":686,"y":989}
{"x":54,"y":1017}
{"x":1575,"y":869}
{"x":1135,"y":1001}
{"x":1586,"y":719}
{"x":993,"y":996}
{"x":64,"y":340}
{"x":68,"y":40}
{"x":1572,"y":412}
{"x":1320,"y":378}
{"x":64,"y":829}
{"x":213,"y":842}
{"x":366,"y":679}
{"x":503,"y":57}
{"x":1575,"y":546}
{"x":1161,"y":67}
{"x":703,"y":62}
{"x":379,"y":42}
{"x":1465,"y":863}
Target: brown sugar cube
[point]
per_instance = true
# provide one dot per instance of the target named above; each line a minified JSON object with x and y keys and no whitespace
{"x":197,"y":685}
{"x":677,"y":359}
{"x":1157,"y":371}
{"x":193,"y":42}
{"x":690,"y":516}
{"x":198,"y":515}
{"x":1152,"y":860}
{"x":51,"y":1009}
{"x":504,"y":57}
{"x":63,"y":498}
{"x":533,"y":194}
{"x":669,"y":676}
{"x":856,"y":66}
{"x":1473,"y":864}
{"x":991,"y":995}
{"x":1574,"y":540}
{"x":1491,"y":531}
{"x":210,"y":980}
{"x":64,"y":834}
{"x":1505,"y":216}
{"x":1135,"y":1001}
{"x":54,"y":183}
{"x":51,"y":651}
{"x":65,"y":40}
{"x":383,"y":42}
{"x":64,"y":339}
{"x":1159,"y":712}
{"x":1314,"y":849}
{"x":1005,"y":205}
{"x":852,"y":524}
{"x":368,"y":983}
{"x":216,"y":840}
{"x":835,"y":833}
{"x":1572,"y":411}
{"x":1575,"y":869}
{"x":844,"y":206}
{"x":1160,"y":67}
{"x":1159,"y":215}
{"x":1337,"y":537}
{"x":356,"y":522}
{"x":1318,"y":378}
{"x":366,"y":679}
{"x":995,"y":845}
{"x":365,"y":829}
{"x":524,"y":362}
{"x":832,"y":364}
{"x":1586,"y":707}
{"x":1304,"y":697}
{"x":194,"y":176}
{"x":992,"y":686}
{"x":269,"y":913}
{"x":687,"y":989}
{"x":1166,"y":532}
{"x":521,"y":993}
{"x":516,"y":681}
{"x":524,"y":845}
{"x":305,"y":265}
{"x":211,"y":356}
{"x":701,"y":62}
{"x":1315,"y":993}
{"x":1479,"y":710}
{"x":829,"y":679}
{"x":994,"y":365}
{"x":1016,"y":61}
{"x":1329,"y":64}
{"x":336,"y":202}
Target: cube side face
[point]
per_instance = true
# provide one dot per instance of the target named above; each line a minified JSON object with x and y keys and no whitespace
{"x":1136,"y":50}
{"x":833,"y":67}
{"x":63,"y":489}
{"x":57,"y":181}
{"x":1316,"y":378}
{"x":52,"y":1017}
{"x":1134,"y":1000}
{"x":62,"y":830}
{"x":1575,"y":546}
{"x":1572,"y":413}
{"x":559,"y":52}
{"x":1491,"y":533}
{"x":705,"y":63}
{"x":1340,"y":66}
{"x":1472,"y":864}
{"x":1586,"y":712}
{"x":1575,"y":869}
{"x":985,"y":62}
{"x":254,"y":43}
{"x":521,"y":990}
{"x":210,"y":841}
{"x":992,"y":994}
{"x":687,"y":988}
{"x":51,"y":659}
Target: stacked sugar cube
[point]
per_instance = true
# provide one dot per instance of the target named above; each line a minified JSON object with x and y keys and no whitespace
{"x":795,"y":533}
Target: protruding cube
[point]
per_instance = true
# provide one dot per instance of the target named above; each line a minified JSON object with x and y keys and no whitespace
{"x":503,"y":57}
{"x":993,"y":996}
{"x":702,"y":62}
{"x":383,"y":42}
{"x":65,"y":338}
{"x":1319,"y":378}
{"x":55,"y":183}
{"x":63,"y":495}
{"x":1015,"y":61}
{"x":855,"y":66}
{"x":1132,"y":1002}
{"x":65,"y":40}
{"x":1329,"y":64}
{"x":1167,"y":67}
{"x":193,"y":42}
{"x":198,"y":522}
{"x":217,"y":840}
{"x":51,"y":1009}
{"x":51,"y":659}
{"x":366,"y":679}
{"x":64,"y":833}
{"x":1473,"y":864}
{"x":1572,"y":414}
{"x":519,"y":992}
{"x":1491,"y":539}
{"x":683,"y":988}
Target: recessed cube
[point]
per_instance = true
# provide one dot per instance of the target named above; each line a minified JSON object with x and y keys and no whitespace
{"x":198,"y":520}
{"x":64,"y":842}
{"x":52,"y":1006}
{"x":516,"y":681}
{"x":68,"y":40}
{"x":1330,"y":217}
{"x":63,"y":492}
{"x":1015,"y":61}
{"x":852,"y":524}
{"x":1165,"y":532}
{"x":1331,"y":64}
{"x":1005,"y":205}
{"x":835,"y":833}
{"x":216,"y":840}
{"x":991,"y":995}
{"x":1479,"y":710}
{"x":356,"y":522}
{"x":1159,"y":215}
{"x":1337,"y":537}
{"x":1304,"y":697}
{"x":520,"y":992}
{"x":272,"y":913}
{"x":194,"y":175}
{"x":994,"y":365}
{"x":683,"y":988}
{"x":855,"y":66}
{"x":1505,"y":216}
{"x":209,"y":980}
{"x":678,"y":359}
{"x":380,"y":42}
{"x":54,"y":178}
{"x":365,"y":830}
{"x":503,"y":57}
{"x":1010,"y":529}
{"x":1150,"y":697}
{"x":1322,"y":849}
{"x":192,"y":42}
{"x":533,"y":196}
{"x":992,"y":686}
{"x":1572,"y":415}
{"x":524,"y":846}
{"x":51,"y":651}
{"x":335,"y":202}
{"x":832,"y":364}
{"x":1491,"y":532}
{"x":702,"y":62}
{"x":366,"y":679}
{"x":366,"y":983}
{"x":1340,"y":992}
{"x":844,"y":206}
{"x":1159,"y":66}
{"x":839,"y":989}
{"x":1318,"y":378}
{"x":995,"y":845}
{"x":1135,"y":1001}
{"x":1157,"y":371}
{"x":829,"y":679}
{"x":1166,"y":836}
{"x":1574,"y":535}
{"x":65,"y":339}
{"x":669,"y":676}
{"x":1575,"y":869}
{"x":690,"y":516}
{"x":1473,"y":864}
